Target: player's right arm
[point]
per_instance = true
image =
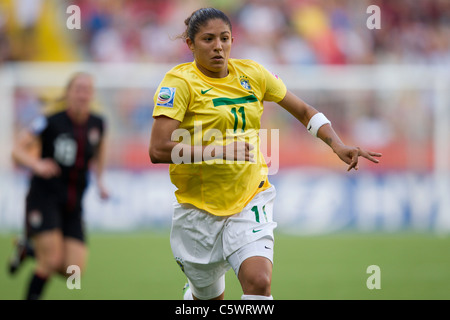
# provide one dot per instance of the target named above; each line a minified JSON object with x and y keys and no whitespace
{"x":24,"y":154}
{"x":162,"y":145}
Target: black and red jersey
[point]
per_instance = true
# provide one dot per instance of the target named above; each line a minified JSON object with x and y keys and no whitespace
{"x":72,"y":146}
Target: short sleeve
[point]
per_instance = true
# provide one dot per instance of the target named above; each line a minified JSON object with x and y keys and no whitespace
{"x":172,"y":97}
{"x":275,"y":88}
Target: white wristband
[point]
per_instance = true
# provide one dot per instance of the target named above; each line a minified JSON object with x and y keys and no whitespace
{"x":316,"y":122}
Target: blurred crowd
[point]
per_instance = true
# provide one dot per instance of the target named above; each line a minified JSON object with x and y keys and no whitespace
{"x":294,"y":32}
{"x":268,"y":31}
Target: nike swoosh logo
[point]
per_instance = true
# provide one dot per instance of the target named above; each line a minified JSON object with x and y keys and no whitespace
{"x":205,"y":91}
{"x":255,"y":231}
{"x":267,"y":248}
{"x":309,"y":129}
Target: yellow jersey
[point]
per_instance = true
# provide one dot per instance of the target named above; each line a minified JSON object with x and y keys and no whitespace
{"x":228,"y":109}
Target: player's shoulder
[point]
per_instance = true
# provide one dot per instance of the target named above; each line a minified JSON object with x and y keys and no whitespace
{"x":246,"y":64}
{"x":183,"y":71}
{"x":247,"y":67}
{"x":96,"y":119}
{"x":97,"y":116}
{"x":56,"y":116}
{"x":45,"y":120}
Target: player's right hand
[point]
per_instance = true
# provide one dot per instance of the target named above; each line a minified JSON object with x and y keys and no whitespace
{"x":239,"y":151}
{"x":46,"y":168}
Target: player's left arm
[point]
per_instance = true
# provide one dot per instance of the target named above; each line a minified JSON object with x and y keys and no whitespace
{"x":304,"y":112}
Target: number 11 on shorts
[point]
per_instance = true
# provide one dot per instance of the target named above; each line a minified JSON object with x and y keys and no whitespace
{"x":256,"y":212}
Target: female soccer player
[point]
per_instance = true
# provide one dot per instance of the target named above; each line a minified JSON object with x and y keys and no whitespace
{"x":209,"y":110}
{"x":67,"y":140}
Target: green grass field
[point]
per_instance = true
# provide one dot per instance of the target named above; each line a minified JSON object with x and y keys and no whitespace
{"x":137,"y":266}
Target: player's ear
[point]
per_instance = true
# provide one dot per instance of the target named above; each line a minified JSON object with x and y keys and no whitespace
{"x":190,"y":44}
{"x":232,"y":40}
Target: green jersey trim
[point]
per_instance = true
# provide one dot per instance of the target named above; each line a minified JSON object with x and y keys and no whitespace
{"x":227,"y":101}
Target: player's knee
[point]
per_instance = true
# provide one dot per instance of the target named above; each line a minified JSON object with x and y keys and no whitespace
{"x":258,"y":284}
{"x":68,"y":269}
{"x":52,"y":262}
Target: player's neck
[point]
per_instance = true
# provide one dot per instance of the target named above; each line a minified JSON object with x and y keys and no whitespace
{"x":77,"y":116}
{"x":212,"y":74}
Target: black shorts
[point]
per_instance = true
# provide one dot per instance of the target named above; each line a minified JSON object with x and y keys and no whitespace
{"x":48,"y":212}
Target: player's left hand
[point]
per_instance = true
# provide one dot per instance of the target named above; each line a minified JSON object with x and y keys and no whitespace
{"x":103,"y":193}
{"x":350,"y":155}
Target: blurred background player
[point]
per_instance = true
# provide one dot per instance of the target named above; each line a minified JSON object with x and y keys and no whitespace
{"x":223,"y":214}
{"x":59,"y":149}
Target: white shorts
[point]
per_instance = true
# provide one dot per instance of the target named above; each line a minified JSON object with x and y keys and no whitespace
{"x":207,"y":246}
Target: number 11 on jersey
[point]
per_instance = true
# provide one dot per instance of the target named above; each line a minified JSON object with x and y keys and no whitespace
{"x":236,"y":119}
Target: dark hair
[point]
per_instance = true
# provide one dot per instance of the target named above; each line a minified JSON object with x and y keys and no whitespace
{"x":200,"y":18}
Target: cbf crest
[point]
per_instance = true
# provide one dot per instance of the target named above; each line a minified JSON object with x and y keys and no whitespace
{"x":245,"y":83}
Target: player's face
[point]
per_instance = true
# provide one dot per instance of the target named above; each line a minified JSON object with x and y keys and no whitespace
{"x":80,"y":93}
{"x":211,"y":48}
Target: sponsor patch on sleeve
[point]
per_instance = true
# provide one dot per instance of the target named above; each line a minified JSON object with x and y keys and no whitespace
{"x":166,"y":96}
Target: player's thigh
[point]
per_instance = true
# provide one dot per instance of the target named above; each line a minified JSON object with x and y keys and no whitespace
{"x":252,"y":264}
{"x":49,"y":249}
{"x":75,"y":253}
